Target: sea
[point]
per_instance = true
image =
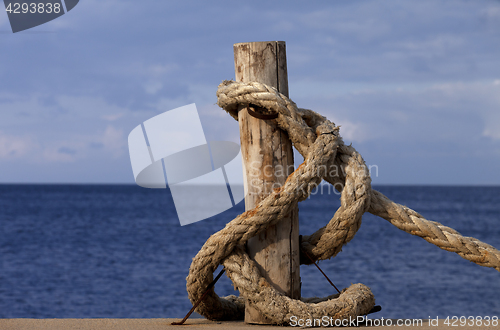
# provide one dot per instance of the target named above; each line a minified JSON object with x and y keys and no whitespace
{"x":118,"y":251}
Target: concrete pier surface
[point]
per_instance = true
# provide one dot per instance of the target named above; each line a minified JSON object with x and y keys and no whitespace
{"x":197,"y":324}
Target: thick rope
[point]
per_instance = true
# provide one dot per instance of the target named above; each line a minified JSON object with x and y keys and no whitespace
{"x":318,"y":140}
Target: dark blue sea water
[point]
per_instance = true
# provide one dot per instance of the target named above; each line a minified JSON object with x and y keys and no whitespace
{"x":88,"y":251}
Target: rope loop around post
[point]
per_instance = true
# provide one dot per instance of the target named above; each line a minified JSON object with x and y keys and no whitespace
{"x":319,"y":141}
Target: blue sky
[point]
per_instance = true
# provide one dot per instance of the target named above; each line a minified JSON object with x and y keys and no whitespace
{"x":415,"y":85}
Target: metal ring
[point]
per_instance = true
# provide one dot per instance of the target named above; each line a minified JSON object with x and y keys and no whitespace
{"x":261,"y":115}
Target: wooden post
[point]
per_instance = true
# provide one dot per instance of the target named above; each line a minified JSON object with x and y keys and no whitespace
{"x":268,"y":160}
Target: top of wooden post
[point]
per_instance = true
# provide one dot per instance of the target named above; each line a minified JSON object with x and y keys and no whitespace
{"x":266,"y":63}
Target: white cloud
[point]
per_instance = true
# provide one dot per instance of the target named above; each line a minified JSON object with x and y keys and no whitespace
{"x":88,"y":107}
{"x":433,"y":45}
{"x":160,"y":69}
{"x":64,"y":129}
{"x":112,"y":117}
{"x":109,"y":143}
{"x":59,"y":112}
{"x":104,"y":144}
{"x":446,"y":118}
{"x":356,"y":132}
{"x":154,"y":74}
{"x":152,"y":87}
{"x":492,"y":12}
{"x":492,"y":130}
{"x":387,"y":73}
{"x":114,"y":141}
{"x":478,"y":99}
{"x":58,"y":154}
{"x":492,"y":123}
{"x":12,"y":147}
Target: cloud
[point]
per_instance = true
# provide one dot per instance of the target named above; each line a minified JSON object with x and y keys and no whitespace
{"x":12,"y":147}
{"x":66,"y":150}
{"x":418,"y":78}
{"x":445,"y":120}
{"x":152,"y":87}
{"x":56,"y":154}
{"x":155,"y":74}
{"x":113,"y":117}
{"x":114,"y":141}
{"x":492,"y":12}
{"x":492,"y":130}
{"x":355,"y":132}
{"x":88,"y":107}
{"x":66,"y":128}
{"x":480,"y":99}
{"x":109,"y":143}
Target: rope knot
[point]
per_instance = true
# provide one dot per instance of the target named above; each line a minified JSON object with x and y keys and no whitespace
{"x":319,"y":141}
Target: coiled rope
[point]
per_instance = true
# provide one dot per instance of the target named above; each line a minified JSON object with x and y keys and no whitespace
{"x":319,"y":142}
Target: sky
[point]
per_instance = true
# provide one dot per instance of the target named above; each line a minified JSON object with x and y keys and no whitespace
{"x":414,"y":85}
